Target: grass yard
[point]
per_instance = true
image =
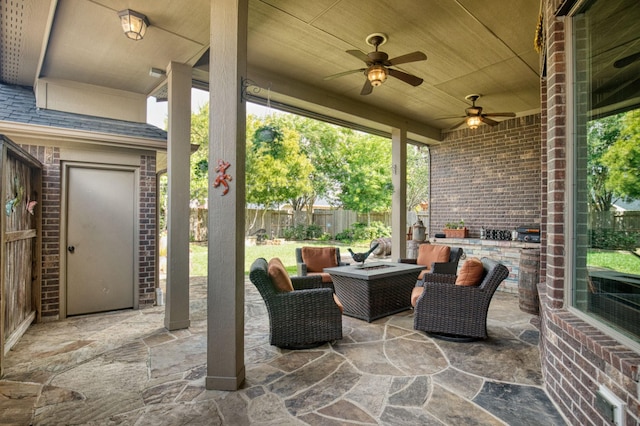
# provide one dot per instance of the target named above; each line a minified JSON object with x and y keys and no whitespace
{"x":621,"y":261}
{"x":615,"y":260}
{"x":285,"y":251}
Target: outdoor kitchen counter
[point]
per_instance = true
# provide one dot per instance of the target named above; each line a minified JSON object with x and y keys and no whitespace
{"x":506,"y":252}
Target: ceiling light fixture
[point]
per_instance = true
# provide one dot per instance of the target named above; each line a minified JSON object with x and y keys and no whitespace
{"x":473,"y":122}
{"x":376,"y":74}
{"x":134,"y":24}
{"x":156,"y":72}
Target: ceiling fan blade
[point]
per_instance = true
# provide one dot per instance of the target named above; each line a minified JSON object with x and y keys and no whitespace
{"x":360,"y":55}
{"x":407,"y":78}
{"x":340,"y":74}
{"x":499,"y":114}
{"x":409,"y":57}
{"x":624,"y":93}
{"x":458,"y":124}
{"x":367,"y":88}
{"x":627,"y":60}
{"x":488,"y":121}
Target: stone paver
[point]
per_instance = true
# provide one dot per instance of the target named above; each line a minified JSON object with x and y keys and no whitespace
{"x":125,"y":368}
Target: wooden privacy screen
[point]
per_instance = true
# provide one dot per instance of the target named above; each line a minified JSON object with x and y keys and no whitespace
{"x":20,"y":243}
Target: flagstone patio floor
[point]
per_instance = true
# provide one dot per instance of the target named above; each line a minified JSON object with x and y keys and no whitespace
{"x":125,"y":368}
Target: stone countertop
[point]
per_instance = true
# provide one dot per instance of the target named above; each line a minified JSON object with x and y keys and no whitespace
{"x":478,"y":241}
{"x":373,"y":270}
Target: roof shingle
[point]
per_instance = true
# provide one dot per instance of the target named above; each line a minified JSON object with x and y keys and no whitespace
{"x":18,"y":104}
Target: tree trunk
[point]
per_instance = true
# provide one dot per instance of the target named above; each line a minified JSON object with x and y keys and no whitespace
{"x":264,"y":212}
{"x":310,"y":202}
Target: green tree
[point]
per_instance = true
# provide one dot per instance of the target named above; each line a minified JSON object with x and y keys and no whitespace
{"x":601,"y":135}
{"x":623,"y":159}
{"x":199,"y":161}
{"x":319,"y":142}
{"x":417,"y":176}
{"x":297,"y":160}
{"x":364,"y":177}
{"x":276,"y":168}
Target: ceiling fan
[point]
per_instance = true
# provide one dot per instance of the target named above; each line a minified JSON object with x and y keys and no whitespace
{"x":628,"y":60}
{"x":378,"y":64}
{"x":474,"y":116}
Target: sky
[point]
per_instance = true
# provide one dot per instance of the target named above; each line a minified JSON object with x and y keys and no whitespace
{"x":157,"y":111}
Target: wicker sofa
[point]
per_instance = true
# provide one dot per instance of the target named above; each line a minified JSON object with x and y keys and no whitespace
{"x":306,"y":317}
{"x":457,"y":312}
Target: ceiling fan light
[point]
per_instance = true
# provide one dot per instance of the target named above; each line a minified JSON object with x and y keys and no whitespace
{"x":134,"y":24}
{"x":473,"y":122}
{"x":377,"y":74}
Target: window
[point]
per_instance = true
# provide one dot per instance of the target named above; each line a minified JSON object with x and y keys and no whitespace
{"x":606,"y":77}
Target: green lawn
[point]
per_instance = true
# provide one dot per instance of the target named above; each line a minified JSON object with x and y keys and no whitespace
{"x":286,"y":252}
{"x":616,"y":260}
{"x":622,"y":261}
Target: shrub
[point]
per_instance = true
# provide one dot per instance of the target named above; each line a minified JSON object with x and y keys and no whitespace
{"x":294,"y":233}
{"x":302,"y":232}
{"x":313,"y":231}
{"x":324,"y":237}
{"x":346,"y":235}
{"x":362,"y":232}
{"x":608,"y":239}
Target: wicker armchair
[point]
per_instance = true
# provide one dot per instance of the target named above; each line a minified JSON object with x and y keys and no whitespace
{"x":303,"y":318}
{"x":449,"y":267}
{"x":457,"y":312}
{"x":322,"y":257}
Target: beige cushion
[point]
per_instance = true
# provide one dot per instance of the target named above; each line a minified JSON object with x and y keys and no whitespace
{"x":429,"y":253}
{"x":318,"y":258}
{"x":470,"y":273}
{"x":415,"y":295}
{"x":279,"y":276}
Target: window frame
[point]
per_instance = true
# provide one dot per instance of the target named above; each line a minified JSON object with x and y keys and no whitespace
{"x":571,"y":191}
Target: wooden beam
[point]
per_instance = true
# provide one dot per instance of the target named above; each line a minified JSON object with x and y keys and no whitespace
{"x":20,"y":235}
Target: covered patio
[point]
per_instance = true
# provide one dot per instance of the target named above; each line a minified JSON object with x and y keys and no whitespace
{"x":88,"y":89}
{"x":251,"y":51}
{"x":126,"y":368}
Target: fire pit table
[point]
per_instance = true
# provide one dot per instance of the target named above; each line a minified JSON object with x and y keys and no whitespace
{"x":374,"y":290}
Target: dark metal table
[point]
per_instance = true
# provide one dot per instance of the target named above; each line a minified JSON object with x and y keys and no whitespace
{"x":374,"y":290}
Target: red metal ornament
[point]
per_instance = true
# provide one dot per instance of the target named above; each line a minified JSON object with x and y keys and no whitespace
{"x":222,"y":178}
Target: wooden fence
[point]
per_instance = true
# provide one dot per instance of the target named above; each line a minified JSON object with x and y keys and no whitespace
{"x":274,"y":222}
{"x":20,"y":241}
{"x":615,"y":221}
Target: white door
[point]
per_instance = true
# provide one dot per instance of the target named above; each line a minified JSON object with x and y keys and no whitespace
{"x":100,"y":240}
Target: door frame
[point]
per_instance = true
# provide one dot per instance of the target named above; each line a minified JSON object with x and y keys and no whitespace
{"x":64,"y":199}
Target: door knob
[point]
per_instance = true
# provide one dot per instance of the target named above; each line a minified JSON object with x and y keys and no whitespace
{"x":71,"y":249}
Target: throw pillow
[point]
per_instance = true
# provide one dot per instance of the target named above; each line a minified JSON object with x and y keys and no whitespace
{"x":423,"y":273}
{"x":429,"y":253}
{"x":471,"y":272}
{"x":279,"y":276}
{"x":318,"y":258}
{"x":415,"y":295}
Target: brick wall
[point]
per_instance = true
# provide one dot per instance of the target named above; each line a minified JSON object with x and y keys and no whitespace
{"x":489,"y":176}
{"x":576,"y":357}
{"x":50,"y":291}
{"x":147,"y":244}
{"x":51,"y":204}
